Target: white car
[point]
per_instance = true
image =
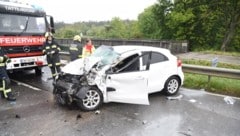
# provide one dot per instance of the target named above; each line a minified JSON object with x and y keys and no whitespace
{"x":123,"y":73}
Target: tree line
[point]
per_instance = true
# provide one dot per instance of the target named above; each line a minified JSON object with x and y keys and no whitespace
{"x":205,"y":24}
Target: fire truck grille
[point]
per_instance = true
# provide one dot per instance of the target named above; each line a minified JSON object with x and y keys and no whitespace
{"x":22,"y":49}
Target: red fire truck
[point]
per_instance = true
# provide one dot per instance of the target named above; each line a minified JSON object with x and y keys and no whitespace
{"x":22,"y":29}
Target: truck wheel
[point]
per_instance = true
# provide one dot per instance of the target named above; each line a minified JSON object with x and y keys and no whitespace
{"x":38,"y":71}
{"x":92,"y":100}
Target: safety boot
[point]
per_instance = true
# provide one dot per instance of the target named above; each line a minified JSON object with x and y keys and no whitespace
{"x":11,"y":97}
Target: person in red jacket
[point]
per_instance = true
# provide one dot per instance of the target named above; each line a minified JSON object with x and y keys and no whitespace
{"x":88,"y":48}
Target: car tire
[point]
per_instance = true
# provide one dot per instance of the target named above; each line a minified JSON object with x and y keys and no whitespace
{"x":172,"y":85}
{"x":92,"y":101}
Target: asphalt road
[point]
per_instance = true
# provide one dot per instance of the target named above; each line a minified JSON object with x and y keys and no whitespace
{"x":197,"y":113}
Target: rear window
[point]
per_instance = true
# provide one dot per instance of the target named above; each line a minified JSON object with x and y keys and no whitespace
{"x":158,"y":57}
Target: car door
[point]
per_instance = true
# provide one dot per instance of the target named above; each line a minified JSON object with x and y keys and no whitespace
{"x":128,"y":84}
{"x":158,"y":72}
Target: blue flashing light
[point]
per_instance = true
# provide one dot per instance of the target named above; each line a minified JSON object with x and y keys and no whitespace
{"x":37,"y":7}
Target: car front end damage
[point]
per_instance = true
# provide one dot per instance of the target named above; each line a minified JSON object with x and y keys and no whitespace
{"x":82,"y":82}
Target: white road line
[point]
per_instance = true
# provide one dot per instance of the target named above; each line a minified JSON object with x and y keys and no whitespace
{"x":26,"y":85}
{"x":209,"y":93}
{"x":221,"y":95}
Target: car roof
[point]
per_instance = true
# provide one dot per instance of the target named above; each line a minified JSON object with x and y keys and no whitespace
{"x":136,"y":48}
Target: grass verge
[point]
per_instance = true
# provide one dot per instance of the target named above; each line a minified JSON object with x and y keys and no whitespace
{"x":217,"y":85}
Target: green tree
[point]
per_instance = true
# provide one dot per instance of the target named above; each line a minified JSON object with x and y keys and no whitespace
{"x":116,"y":29}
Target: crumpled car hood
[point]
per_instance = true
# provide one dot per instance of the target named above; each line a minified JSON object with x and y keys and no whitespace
{"x":79,"y":66}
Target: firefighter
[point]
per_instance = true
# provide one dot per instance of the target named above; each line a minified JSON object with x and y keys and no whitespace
{"x":51,"y":49}
{"x":5,"y":81}
{"x":75,"y":48}
{"x":88,"y":48}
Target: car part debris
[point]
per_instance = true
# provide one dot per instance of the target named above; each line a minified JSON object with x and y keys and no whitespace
{"x":175,"y":97}
{"x":144,"y":122}
{"x":78,"y":116}
{"x":97,"y":112}
{"x":229,"y":100}
{"x":17,"y":116}
{"x":192,"y":100}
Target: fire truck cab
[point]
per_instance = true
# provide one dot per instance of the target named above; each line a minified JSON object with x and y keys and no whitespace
{"x":22,"y":29}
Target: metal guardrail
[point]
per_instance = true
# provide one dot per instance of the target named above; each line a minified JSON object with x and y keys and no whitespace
{"x":196,"y":69}
{"x":212,"y":71}
{"x":174,"y":46}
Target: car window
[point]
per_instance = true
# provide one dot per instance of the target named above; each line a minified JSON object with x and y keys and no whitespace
{"x":145,"y":58}
{"x":158,"y":57}
{"x":129,"y":64}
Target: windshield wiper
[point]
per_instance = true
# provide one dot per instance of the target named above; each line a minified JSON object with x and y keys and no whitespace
{"x":25,"y":28}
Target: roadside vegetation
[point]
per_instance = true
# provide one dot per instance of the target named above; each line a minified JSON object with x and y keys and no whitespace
{"x":216,"y":84}
{"x":206,"y":25}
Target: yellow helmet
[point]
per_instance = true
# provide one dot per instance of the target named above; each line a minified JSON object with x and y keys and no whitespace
{"x":77,"y":38}
{"x":47,"y":34}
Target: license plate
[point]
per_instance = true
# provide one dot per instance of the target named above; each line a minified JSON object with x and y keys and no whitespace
{"x":26,"y":60}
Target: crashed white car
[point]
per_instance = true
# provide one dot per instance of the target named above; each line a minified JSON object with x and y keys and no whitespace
{"x":124,"y":74}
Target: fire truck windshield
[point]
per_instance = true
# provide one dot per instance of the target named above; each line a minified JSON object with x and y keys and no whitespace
{"x":15,"y":24}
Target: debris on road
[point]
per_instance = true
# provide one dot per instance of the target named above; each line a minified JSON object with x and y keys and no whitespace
{"x":97,"y":112}
{"x":136,"y":114}
{"x":175,"y":97}
{"x":229,"y":100}
{"x":192,"y":100}
{"x":17,"y":116}
{"x":188,"y":133}
{"x":78,"y":116}
{"x":13,"y":103}
{"x":144,"y":122}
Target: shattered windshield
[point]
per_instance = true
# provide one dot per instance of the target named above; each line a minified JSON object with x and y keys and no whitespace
{"x":106,"y":53}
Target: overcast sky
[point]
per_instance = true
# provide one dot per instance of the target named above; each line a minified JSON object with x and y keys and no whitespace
{"x":70,"y":11}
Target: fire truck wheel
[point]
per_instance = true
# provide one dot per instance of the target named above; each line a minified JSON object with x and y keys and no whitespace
{"x":38,"y":71}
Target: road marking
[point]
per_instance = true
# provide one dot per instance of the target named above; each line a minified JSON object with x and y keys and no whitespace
{"x":221,"y":95}
{"x":209,"y":93}
{"x":27,"y":85}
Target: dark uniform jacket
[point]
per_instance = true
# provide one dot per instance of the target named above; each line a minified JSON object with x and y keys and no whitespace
{"x":52,"y":52}
{"x":75,"y":50}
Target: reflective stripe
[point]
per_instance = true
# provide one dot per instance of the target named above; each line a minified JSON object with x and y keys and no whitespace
{"x":2,"y":64}
{"x":58,"y":64}
{"x":1,"y":59}
{"x":54,"y":46}
{"x":47,"y":47}
{"x":54,"y":74}
{"x":3,"y":89}
{"x":5,"y":92}
{"x":73,"y":48}
{"x":3,"y":85}
{"x":59,"y":49}
{"x":50,"y":65}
